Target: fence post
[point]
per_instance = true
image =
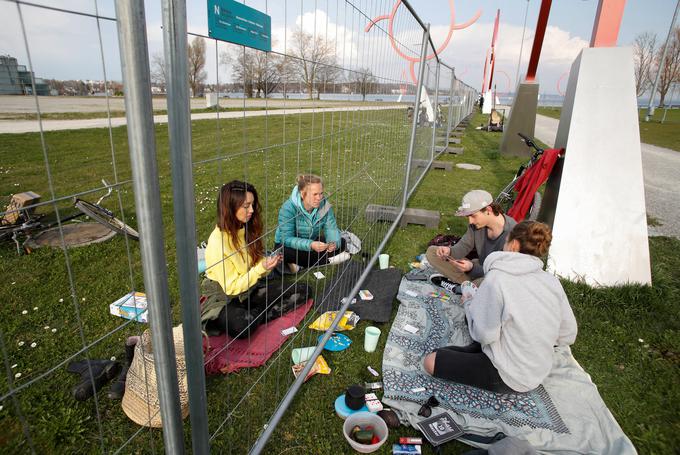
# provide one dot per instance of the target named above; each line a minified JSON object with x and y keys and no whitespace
{"x":416,"y":115}
{"x":450,"y":116}
{"x":134,"y":57}
{"x":179,"y":130}
{"x":435,"y":110}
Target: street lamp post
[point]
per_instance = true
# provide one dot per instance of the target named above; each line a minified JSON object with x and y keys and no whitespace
{"x":521,"y":46}
{"x":650,"y":109}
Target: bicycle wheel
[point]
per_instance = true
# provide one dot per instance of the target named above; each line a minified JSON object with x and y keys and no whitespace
{"x":105,"y":217}
{"x":535,"y":207}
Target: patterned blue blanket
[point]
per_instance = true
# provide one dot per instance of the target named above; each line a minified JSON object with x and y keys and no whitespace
{"x":564,"y":414}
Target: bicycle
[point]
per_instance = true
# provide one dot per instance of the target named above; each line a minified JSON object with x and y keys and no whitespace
{"x":506,"y":198}
{"x":21,"y":225}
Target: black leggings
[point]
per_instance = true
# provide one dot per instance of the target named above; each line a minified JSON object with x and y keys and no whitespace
{"x":309,"y":258}
{"x":266,"y":302}
{"x":468,"y":365}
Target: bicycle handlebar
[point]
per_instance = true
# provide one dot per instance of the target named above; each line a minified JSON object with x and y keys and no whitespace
{"x":528,"y":141}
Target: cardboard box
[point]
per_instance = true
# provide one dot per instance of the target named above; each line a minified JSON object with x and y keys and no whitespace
{"x":20,"y":201}
{"x":131,"y":306}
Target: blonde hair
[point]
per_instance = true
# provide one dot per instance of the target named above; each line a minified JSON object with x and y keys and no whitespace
{"x":307,"y":179}
{"x":534,"y":238}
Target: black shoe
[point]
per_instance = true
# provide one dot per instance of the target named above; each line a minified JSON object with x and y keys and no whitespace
{"x":440,"y":280}
{"x":117,"y":389}
{"x":293,"y":299}
{"x":102,"y":371}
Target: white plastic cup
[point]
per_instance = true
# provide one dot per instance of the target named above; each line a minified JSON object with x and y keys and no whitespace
{"x":371,"y":337}
{"x":384,"y":260}
{"x":302,"y":354}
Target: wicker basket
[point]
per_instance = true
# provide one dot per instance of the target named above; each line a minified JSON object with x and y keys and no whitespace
{"x":140,"y":401}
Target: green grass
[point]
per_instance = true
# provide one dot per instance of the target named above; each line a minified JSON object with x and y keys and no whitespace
{"x":637,"y":380}
{"x":666,"y":134}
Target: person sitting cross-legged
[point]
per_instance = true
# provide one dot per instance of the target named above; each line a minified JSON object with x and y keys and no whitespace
{"x":487,"y":231}
{"x":307,"y":228}
{"x":516,"y":318}
{"x":238,"y":297}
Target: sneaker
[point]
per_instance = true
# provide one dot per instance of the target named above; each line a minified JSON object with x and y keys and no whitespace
{"x":92,"y":378}
{"x":440,"y":280}
{"x":338,"y":258}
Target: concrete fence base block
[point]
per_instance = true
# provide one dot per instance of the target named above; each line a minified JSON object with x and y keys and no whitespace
{"x":454,"y":140}
{"x":440,"y":148}
{"x":456,"y":150}
{"x":445,"y":165}
{"x":428,"y":218}
{"x":419,"y":163}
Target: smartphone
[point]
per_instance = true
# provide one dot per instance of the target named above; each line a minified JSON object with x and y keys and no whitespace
{"x":276,"y":252}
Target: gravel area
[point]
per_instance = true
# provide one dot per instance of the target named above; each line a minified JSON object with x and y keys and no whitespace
{"x":661,"y":171}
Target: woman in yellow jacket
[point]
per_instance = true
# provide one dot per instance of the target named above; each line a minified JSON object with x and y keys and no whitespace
{"x":237,"y":302}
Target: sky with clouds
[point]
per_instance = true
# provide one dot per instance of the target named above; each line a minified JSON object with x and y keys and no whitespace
{"x":67,"y":46}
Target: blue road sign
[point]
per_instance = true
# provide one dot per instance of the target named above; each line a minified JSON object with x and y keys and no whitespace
{"x":234,"y":22}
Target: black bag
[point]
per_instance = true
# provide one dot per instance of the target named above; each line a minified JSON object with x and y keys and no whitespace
{"x":444,"y":240}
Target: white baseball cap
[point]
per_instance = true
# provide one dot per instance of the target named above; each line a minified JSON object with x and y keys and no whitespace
{"x":474,"y":201}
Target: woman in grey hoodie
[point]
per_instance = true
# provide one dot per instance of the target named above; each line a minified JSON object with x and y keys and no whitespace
{"x":517,"y":317}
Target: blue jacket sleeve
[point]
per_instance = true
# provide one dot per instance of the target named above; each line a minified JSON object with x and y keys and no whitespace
{"x":287,"y":228}
{"x":330,"y":229}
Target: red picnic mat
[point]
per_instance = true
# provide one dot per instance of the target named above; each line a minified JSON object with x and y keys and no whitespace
{"x":224,"y":354}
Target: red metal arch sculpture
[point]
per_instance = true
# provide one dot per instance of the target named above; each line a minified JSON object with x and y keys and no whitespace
{"x":413,"y":60}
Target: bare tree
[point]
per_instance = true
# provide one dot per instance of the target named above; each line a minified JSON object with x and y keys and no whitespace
{"x":670,"y":72}
{"x":158,"y":69}
{"x":363,"y":81}
{"x":260,"y":72}
{"x":314,"y":60}
{"x":644,"y":49}
{"x":197,"y":74}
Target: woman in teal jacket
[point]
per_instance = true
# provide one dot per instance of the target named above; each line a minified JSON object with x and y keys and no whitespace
{"x":307,"y":228}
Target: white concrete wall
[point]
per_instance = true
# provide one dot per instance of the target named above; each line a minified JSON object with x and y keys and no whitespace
{"x":600,"y":225}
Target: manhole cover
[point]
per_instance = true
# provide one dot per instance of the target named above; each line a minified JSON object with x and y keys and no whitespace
{"x":75,"y":234}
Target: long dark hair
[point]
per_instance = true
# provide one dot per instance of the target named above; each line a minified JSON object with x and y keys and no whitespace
{"x":231,"y":198}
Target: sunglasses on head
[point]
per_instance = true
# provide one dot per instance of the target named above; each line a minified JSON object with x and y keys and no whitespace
{"x":426,"y":409}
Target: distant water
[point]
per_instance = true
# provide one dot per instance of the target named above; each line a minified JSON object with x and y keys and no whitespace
{"x":544,"y":99}
{"x":330,"y":96}
{"x":548,"y":100}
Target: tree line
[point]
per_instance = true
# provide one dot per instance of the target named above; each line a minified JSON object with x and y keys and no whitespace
{"x":310,"y":62}
{"x":647,"y":56}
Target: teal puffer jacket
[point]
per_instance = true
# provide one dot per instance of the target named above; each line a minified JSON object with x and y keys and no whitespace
{"x":298,"y":228}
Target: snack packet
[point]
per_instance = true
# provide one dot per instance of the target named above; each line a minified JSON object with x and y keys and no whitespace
{"x":323,"y":322}
{"x":320,"y":367}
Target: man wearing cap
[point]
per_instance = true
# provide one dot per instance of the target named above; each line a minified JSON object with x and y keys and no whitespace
{"x":486,"y":233}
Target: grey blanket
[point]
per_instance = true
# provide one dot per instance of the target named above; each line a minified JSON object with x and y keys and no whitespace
{"x":564,"y":415}
{"x":383,"y":284}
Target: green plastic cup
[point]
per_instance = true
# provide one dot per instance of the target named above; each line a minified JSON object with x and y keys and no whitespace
{"x":371,"y":337}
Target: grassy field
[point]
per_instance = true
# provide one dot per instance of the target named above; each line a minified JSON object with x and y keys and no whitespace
{"x":629,"y":337}
{"x":666,"y":134}
{"x":92,"y":115}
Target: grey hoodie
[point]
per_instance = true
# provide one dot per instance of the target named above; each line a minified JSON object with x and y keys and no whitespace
{"x":518,"y":315}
